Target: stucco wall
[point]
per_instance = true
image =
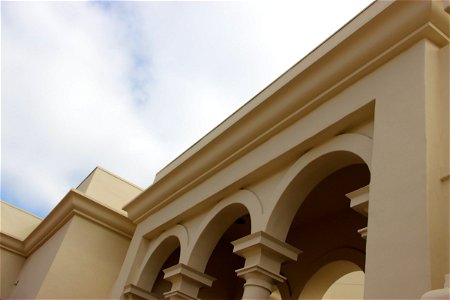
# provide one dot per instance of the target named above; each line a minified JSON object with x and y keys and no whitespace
{"x":108,"y":189}
{"x":10,"y":265}
{"x":87,"y":262}
{"x":37,"y":265}
{"x":80,"y":261}
{"x":17,"y":222}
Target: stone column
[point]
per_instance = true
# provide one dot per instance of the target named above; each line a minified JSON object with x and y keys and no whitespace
{"x":263,"y":255}
{"x":186,"y":282}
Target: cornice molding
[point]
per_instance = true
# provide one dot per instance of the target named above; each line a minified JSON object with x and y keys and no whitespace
{"x":375,"y":36}
{"x":11,"y":243}
{"x":74,"y":203}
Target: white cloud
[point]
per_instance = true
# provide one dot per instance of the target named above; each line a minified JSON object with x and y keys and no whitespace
{"x":130,"y":85}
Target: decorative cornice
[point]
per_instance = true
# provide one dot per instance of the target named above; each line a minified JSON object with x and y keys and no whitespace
{"x":74,"y":203}
{"x":11,"y":243}
{"x":378,"y":34}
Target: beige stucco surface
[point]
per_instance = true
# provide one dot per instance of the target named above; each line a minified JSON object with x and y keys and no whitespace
{"x":82,"y":241}
{"x":34,"y":272}
{"x":79,"y":262}
{"x":349,"y":286}
{"x":264,"y":200}
{"x":87,"y":262}
{"x":401,"y":109}
{"x":16,"y":222}
{"x":10,"y":266}
{"x":109,"y":189}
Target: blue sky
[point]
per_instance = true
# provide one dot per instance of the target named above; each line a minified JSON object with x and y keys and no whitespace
{"x":130,"y":85}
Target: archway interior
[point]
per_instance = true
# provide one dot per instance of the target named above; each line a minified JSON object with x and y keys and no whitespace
{"x":339,"y":279}
{"x":163,"y":256}
{"x":223,"y":263}
{"x":325,"y":228}
{"x":161,"y":286}
{"x":349,"y":286}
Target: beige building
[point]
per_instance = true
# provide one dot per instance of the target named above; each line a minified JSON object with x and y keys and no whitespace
{"x":333,"y":182}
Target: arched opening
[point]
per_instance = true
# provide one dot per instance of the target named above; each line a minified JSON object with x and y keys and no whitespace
{"x":308,"y":171}
{"x":325,"y":228}
{"x":165,"y":255}
{"x":336,"y":280}
{"x":223,"y":264}
{"x":161,"y":286}
{"x":349,"y":286}
{"x":230,"y":224}
{"x":340,"y":279}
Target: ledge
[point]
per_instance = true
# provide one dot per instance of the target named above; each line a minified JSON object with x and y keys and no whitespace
{"x":11,"y":243}
{"x":359,"y":200}
{"x":134,"y":292}
{"x":262,"y":240}
{"x":186,"y":281}
{"x":183,"y":271}
{"x":74,"y":203}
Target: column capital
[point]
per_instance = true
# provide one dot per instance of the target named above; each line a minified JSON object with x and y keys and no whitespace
{"x":133,"y":292}
{"x":263,"y":255}
{"x":260,"y":243}
{"x":186,"y":281}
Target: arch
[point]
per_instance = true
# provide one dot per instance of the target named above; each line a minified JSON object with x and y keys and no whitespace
{"x":352,"y":255}
{"x":216,"y":222}
{"x":325,"y":277}
{"x":340,"y":151}
{"x":299,"y":273}
{"x":158,"y":252}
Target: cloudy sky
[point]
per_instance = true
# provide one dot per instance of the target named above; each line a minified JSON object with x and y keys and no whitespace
{"x":130,"y":85}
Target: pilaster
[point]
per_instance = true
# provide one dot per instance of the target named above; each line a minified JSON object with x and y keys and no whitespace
{"x":398,"y":251}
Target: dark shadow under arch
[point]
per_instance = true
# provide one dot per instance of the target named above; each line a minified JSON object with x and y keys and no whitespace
{"x":216,"y":251}
{"x":213,"y":232}
{"x":308,"y":171}
{"x":325,"y":227}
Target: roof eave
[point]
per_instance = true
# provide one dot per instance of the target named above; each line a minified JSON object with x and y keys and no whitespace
{"x":74,"y":203}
